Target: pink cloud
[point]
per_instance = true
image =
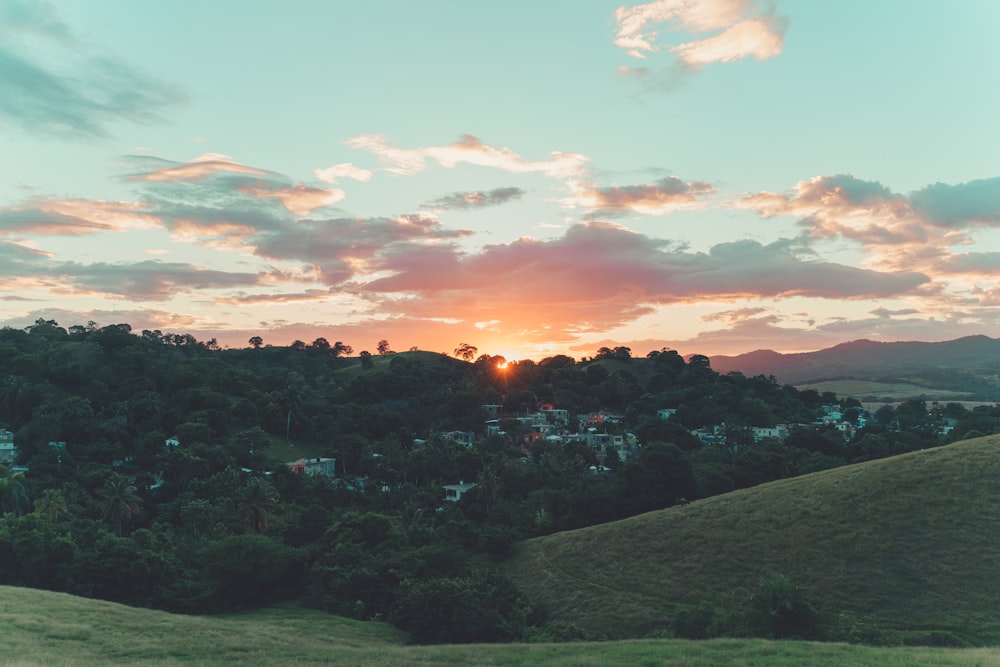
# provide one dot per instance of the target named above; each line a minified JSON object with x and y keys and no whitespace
{"x":298,"y":199}
{"x":599,"y":276}
{"x":918,"y":230}
{"x":746,"y":31}
{"x":73,"y":217}
{"x":196,"y":170}
{"x":667,"y":194}
{"x":467,"y":150}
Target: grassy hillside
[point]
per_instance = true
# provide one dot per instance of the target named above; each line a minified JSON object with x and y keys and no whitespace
{"x":44,"y":628}
{"x":870,"y":390}
{"x":893,"y":550}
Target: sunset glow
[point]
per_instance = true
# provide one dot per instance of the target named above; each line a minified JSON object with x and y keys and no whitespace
{"x":712,"y":177}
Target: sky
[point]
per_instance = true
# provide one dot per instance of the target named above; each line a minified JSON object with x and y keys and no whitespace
{"x":530,"y":178}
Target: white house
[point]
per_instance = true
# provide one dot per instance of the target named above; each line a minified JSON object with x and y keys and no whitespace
{"x":314,"y":466}
{"x":453,"y":492}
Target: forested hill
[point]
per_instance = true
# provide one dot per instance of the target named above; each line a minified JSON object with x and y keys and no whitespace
{"x":152,"y":467}
{"x":973,"y":356}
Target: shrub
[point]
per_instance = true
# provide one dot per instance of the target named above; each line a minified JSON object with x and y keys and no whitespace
{"x":781,"y":610}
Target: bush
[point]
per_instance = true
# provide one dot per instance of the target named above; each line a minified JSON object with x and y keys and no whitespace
{"x":780,"y":609}
{"x":480,"y":607}
{"x":695,"y":622}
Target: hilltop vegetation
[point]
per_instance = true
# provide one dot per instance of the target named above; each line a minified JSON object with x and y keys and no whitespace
{"x":216,"y":521}
{"x":892,"y":551}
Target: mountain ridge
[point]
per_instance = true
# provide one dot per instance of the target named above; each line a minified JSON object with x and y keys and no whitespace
{"x":868,"y":359}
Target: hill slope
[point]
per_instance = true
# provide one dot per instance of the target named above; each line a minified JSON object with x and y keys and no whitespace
{"x":45,"y":628}
{"x":900,"y":546}
{"x":965,"y":364}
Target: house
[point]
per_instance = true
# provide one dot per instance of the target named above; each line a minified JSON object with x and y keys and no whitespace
{"x":171,"y":443}
{"x":492,"y":410}
{"x":555,"y":416}
{"x":58,"y":446}
{"x":453,"y":492}
{"x":463,"y":438}
{"x":314,"y":467}
{"x":666,"y":413}
{"x":8,"y":452}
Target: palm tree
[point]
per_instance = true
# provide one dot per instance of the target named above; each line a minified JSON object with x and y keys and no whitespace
{"x":256,"y":505}
{"x":13,"y":492}
{"x":119,"y":501}
{"x":51,"y":504}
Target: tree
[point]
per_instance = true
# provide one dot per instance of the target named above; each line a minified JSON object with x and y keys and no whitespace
{"x":119,"y":501}
{"x":321,"y":344}
{"x":51,"y":504}
{"x":366,"y":359}
{"x":13,"y":492}
{"x":383,"y":347}
{"x":604,"y":353}
{"x":466,"y":351}
{"x":342,"y":349}
{"x":256,"y":342}
{"x":256,"y":505}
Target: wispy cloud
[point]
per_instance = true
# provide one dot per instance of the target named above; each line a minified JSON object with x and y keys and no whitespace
{"x":742,"y":30}
{"x":478,"y":199}
{"x":467,"y":150}
{"x":336,"y":172}
{"x":83,"y":100}
{"x":665,"y":195}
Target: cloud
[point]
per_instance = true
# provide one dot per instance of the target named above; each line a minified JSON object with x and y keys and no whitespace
{"x":23,"y":268}
{"x":298,"y":199}
{"x":976,"y":203}
{"x":467,"y":150}
{"x":149,"y":280}
{"x":343,"y":170}
{"x":599,"y":276}
{"x":479,"y":199}
{"x":666,"y":195}
{"x":742,"y":30}
{"x":916,"y":230}
{"x":343,"y":248}
{"x":738,"y":315}
{"x":96,"y":92}
{"x":73,"y":217}
{"x":885,"y":313}
{"x":198,"y":169}
{"x":220,"y":198}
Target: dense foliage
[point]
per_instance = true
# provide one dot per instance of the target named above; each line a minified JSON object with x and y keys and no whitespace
{"x":108,"y":509}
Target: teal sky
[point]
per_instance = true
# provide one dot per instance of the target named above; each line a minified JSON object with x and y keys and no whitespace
{"x":530,"y":178}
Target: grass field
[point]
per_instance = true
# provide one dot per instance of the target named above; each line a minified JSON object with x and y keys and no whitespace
{"x":54,"y":629}
{"x":878,"y":391}
{"x":897,"y":550}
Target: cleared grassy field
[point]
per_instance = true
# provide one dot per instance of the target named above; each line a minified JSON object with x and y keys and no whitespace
{"x":44,"y":628}
{"x":896,"y":550}
{"x":869,"y":389}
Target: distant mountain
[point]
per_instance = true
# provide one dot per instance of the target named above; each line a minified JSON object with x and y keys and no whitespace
{"x":972,"y":357}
